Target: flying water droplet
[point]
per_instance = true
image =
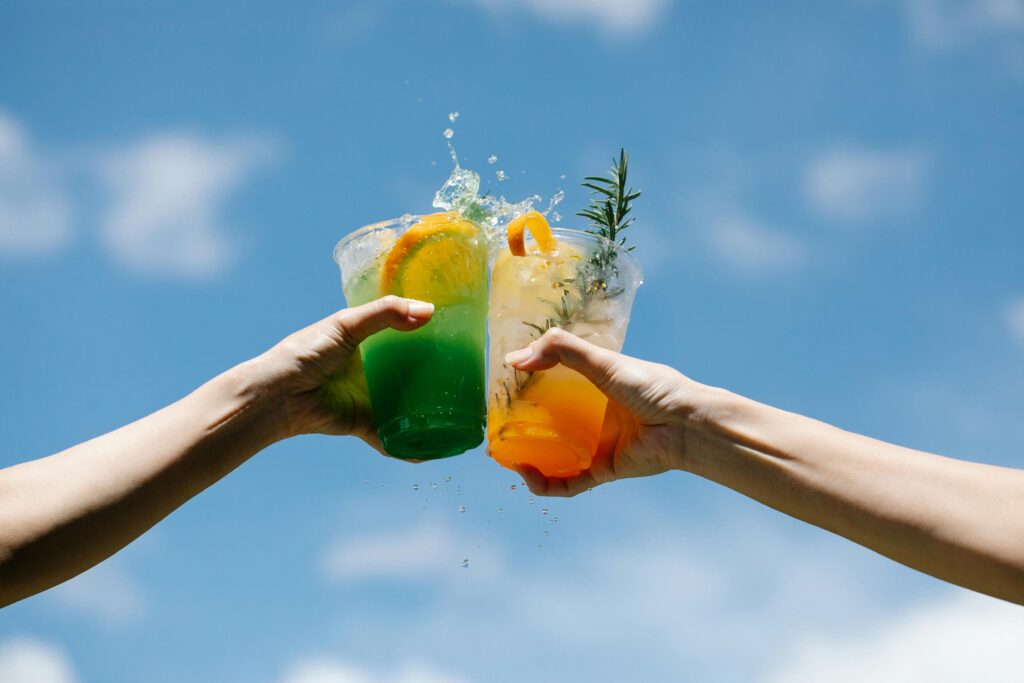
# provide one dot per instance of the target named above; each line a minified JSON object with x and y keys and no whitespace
{"x":545,"y":532}
{"x":448,"y":133}
{"x":433,"y":486}
{"x":500,"y":175}
{"x":415,"y":487}
{"x":493,"y":159}
{"x":501,"y":511}
{"x":448,"y":478}
{"x":513,"y":487}
{"x":530,"y":501}
{"x":544,"y":511}
{"x":452,"y":116}
{"x":557,"y":217}
{"x":561,"y":177}
{"x":462,"y":508}
{"x":465,"y":563}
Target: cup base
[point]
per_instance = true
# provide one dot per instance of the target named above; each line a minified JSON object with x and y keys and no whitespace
{"x":554,"y":452}
{"x":431,"y":437}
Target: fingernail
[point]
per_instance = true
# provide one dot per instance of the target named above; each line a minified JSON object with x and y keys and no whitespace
{"x":420,"y":309}
{"x":520,"y":356}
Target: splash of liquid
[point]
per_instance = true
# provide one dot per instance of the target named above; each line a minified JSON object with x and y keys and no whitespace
{"x":461,"y":193}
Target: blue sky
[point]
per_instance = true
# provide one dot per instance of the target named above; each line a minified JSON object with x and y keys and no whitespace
{"x":831,"y":223}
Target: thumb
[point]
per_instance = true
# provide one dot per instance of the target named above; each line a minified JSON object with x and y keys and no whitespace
{"x":607,"y":370}
{"x":358,"y":323}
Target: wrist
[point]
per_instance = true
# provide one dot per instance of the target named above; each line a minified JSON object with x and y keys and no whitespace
{"x":253,"y":403}
{"x":709,"y":415}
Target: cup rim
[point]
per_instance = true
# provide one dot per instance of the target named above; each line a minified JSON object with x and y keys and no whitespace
{"x":501,"y":237}
{"x":621,"y":251}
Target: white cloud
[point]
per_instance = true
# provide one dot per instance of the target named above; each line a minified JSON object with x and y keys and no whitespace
{"x":26,"y":660}
{"x":852,"y":183}
{"x":662,"y":604}
{"x":416,"y":553}
{"x":1015,"y":319}
{"x":746,"y":245}
{"x":105,"y":592}
{"x":947,"y":24}
{"x":167,"y":199}
{"x":34,"y":215}
{"x":323,"y":669}
{"x":965,"y":637}
{"x":616,"y":18}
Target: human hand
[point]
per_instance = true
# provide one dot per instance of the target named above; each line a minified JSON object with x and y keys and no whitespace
{"x":649,"y":407}
{"x":317,"y":373}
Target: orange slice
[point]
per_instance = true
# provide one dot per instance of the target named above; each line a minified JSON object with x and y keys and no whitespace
{"x":539,"y":228}
{"x":440,"y":259}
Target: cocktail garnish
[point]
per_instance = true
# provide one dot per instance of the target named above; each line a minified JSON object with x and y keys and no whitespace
{"x":433,"y":260}
{"x":539,"y":228}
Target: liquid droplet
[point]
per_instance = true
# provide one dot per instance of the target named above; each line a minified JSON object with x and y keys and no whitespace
{"x":448,"y":133}
{"x":448,"y":478}
{"x":452,"y":116}
{"x":513,"y":487}
{"x":433,"y":486}
{"x":561,"y":177}
{"x":544,"y":511}
{"x":465,"y":563}
{"x":462,"y":508}
{"x":531,"y":500}
{"x":493,"y":159}
{"x":545,"y":532}
{"x":501,"y":511}
{"x":500,"y":175}
{"x":556,"y":216}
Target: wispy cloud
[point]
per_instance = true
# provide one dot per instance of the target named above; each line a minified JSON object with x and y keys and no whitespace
{"x":34,"y":214}
{"x":853,"y":183}
{"x":668,"y":593}
{"x":615,"y":18}
{"x":748,"y":246}
{"x":964,"y":637}
{"x":949,"y":24}
{"x":421,"y":552}
{"x":27,"y":660}
{"x":1015,"y":319}
{"x":167,"y":199}
{"x":107,"y":593}
{"x":325,"y":669}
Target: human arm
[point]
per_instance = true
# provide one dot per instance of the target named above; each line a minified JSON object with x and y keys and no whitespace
{"x":959,"y":521}
{"x":62,"y":514}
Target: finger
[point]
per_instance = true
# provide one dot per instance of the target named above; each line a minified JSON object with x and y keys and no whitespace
{"x":555,"y":486}
{"x":358,"y":323}
{"x":599,"y":365}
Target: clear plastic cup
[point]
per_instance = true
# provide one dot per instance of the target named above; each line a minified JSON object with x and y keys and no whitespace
{"x":426,"y":386}
{"x":552,"y":419}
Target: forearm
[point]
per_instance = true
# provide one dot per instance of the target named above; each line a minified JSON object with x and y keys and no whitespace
{"x":959,"y":521}
{"x":62,"y":514}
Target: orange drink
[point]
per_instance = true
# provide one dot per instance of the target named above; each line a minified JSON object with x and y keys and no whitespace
{"x":570,"y":279}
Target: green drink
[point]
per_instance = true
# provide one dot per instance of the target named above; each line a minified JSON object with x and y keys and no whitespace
{"x":426,"y":386}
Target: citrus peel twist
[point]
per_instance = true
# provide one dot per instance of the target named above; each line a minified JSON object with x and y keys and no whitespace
{"x":539,"y":228}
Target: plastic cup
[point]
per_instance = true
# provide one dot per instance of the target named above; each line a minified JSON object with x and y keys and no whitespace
{"x":426,"y":386}
{"x":552,"y":419}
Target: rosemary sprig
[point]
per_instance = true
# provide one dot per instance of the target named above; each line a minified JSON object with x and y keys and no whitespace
{"x":611,"y":202}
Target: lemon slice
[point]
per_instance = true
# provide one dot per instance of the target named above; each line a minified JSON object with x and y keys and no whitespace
{"x":539,"y":228}
{"x":441,"y":259}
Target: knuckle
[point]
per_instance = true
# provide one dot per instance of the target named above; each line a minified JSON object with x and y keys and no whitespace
{"x":557,"y":335}
{"x":389,"y":302}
